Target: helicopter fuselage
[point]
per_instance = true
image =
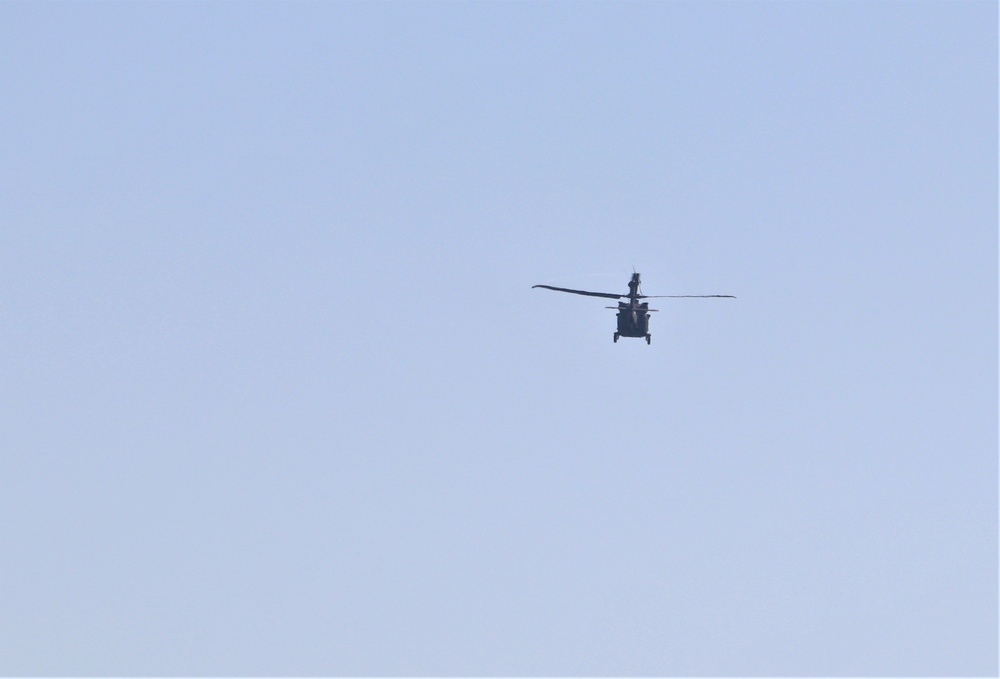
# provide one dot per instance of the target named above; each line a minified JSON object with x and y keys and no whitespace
{"x":633,"y":319}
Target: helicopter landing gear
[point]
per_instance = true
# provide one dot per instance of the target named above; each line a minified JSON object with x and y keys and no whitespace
{"x":616,"y":338}
{"x":649,"y":338}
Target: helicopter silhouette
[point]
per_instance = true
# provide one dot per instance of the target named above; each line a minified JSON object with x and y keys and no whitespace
{"x":633,"y":315}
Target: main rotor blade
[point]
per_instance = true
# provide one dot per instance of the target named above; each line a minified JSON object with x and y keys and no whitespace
{"x":609,"y":295}
{"x":679,"y":296}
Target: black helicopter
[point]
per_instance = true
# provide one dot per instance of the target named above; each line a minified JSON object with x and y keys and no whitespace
{"x":633,"y":315}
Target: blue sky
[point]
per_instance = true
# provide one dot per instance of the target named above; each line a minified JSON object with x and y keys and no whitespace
{"x":278,"y":397}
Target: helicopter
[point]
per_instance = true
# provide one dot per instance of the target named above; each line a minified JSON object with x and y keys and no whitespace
{"x":633,"y":315}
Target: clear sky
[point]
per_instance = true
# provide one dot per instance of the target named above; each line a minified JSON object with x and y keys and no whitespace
{"x":276,"y":395}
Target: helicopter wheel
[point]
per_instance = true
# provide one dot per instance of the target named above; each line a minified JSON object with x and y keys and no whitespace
{"x":649,"y":338}
{"x":616,"y":338}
